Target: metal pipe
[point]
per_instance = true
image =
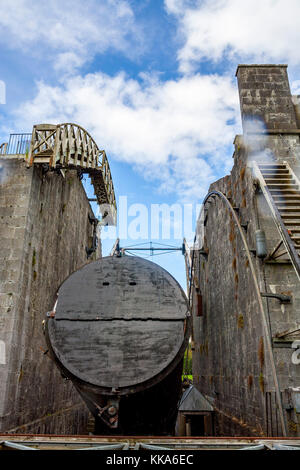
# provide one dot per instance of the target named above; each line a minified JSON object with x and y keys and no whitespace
{"x":14,"y":445}
{"x":104,"y":447}
{"x":284,"y":447}
{"x":255,"y":447}
{"x":151,"y":249}
{"x":151,"y":447}
{"x":261,"y":307}
{"x":284,"y":299}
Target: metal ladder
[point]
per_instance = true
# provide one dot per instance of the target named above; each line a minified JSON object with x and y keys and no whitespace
{"x":281,"y":188}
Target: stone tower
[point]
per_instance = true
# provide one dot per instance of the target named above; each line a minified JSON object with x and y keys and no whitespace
{"x":247,"y":333}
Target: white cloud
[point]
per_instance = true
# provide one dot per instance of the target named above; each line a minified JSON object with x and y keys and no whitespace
{"x":254,"y":30}
{"x":2,"y":92}
{"x":68,"y":62}
{"x":175,"y":131}
{"x":68,"y":32}
{"x":295,"y":87}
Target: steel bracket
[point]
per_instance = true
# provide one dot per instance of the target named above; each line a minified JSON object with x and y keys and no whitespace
{"x":284,"y":299}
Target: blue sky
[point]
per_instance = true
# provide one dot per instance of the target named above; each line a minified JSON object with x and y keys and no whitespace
{"x":153,"y":81}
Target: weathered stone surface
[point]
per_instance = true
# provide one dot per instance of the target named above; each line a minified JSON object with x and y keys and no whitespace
{"x":265,"y":93}
{"x":230,"y":362}
{"x":44,"y":230}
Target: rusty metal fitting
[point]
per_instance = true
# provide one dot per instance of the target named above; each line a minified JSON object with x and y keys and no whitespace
{"x":112,"y":410}
{"x":51,"y":314}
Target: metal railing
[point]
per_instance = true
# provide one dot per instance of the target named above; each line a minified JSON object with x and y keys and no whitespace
{"x":191,"y":444}
{"x":65,"y":146}
{"x":18,"y":144}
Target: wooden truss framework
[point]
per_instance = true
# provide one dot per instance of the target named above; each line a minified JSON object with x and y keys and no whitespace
{"x":70,"y":146}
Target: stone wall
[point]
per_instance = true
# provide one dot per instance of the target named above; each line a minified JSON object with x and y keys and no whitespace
{"x":44,"y":231}
{"x":265,"y":94}
{"x":231,"y":363}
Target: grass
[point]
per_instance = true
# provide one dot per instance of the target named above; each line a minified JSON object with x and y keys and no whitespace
{"x":189,"y":377}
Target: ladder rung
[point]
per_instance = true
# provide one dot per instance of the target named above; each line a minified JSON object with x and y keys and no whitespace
{"x":281,"y":195}
{"x":289,"y":209}
{"x":279,"y":181}
{"x":283,"y":204}
{"x":277,"y":173}
{"x":291,"y":216}
{"x":277,"y":176}
{"x":292,"y":223}
{"x":285,"y":186}
{"x":287,"y":197}
{"x":284,"y":191}
{"x":272,"y":165}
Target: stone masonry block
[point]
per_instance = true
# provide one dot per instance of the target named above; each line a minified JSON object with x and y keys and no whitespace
{"x":264,"y":80}
{"x":44,"y":230}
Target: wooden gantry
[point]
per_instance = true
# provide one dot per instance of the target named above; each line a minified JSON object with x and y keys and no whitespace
{"x":70,"y":146}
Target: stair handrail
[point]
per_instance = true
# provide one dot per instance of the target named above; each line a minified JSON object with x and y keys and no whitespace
{"x":292,"y":172}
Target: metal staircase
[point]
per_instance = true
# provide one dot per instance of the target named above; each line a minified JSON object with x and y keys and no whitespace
{"x":281,"y":188}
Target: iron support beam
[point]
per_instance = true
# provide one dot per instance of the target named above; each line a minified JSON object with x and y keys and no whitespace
{"x":260,"y":302}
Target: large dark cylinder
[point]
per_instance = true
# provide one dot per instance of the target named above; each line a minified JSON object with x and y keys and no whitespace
{"x":119,"y":332}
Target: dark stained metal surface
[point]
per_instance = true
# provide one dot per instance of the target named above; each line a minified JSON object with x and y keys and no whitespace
{"x":117,"y":353}
{"x":119,"y":322}
{"x":193,"y":400}
{"x":126,"y":287}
